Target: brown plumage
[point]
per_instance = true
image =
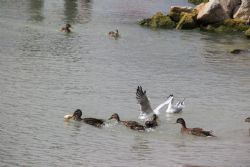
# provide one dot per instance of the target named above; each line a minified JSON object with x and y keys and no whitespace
{"x":247,"y":119}
{"x":130,"y":124}
{"x":91,"y":121}
{"x":152,"y":123}
{"x":114,"y":34}
{"x":193,"y":131}
{"x":66,"y":28}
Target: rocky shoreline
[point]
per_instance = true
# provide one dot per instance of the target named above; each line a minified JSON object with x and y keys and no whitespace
{"x":222,"y":16}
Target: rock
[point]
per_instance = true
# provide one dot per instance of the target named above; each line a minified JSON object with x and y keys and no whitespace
{"x":247,"y":33}
{"x":188,"y":21}
{"x":230,"y":25}
{"x":176,"y":11}
{"x":244,"y":10}
{"x":236,"y":51}
{"x":197,"y":2}
{"x":230,"y":6}
{"x":211,"y":12}
{"x":236,"y":25}
{"x":159,"y":20}
{"x":145,"y":22}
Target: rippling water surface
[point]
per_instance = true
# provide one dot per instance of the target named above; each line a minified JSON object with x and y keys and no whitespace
{"x":45,"y":74}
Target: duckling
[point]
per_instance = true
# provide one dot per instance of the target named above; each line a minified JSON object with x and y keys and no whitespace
{"x":66,"y":28}
{"x":193,"y":131}
{"x":130,"y":124}
{"x":114,"y":34}
{"x":91,"y":121}
{"x":152,"y":123}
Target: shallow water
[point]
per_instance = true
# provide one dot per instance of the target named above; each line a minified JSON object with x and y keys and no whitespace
{"x":46,"y":74}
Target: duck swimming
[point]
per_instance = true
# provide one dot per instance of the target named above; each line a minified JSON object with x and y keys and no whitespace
{"x":193,"y":131}
{"x":130,"y":124}
{"x":91,"y":121}
{"x":114,"y":34}
{"x":152,"y":123}
{"x":66,"y":28}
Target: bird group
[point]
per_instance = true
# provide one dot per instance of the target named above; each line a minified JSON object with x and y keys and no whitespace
{"x":147,"y":114}
{"x":113,"y":34}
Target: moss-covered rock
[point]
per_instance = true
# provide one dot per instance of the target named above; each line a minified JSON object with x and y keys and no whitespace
{"x":159,"y":20}
{"x":197,"y":2}
{"x":231,"y":25}
{"x":187,"y":21}
{"x":247,"y":33}
{"x":145,"y":22}
{"x":175,"y":12}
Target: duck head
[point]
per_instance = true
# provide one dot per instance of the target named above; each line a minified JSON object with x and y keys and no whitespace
{"x":68,"y":26}
{"x":77,"y":114}
{"x":155,"y":117}
{"x":181,"y":121}
{"x":115,"y":116}
{"x":247,"y":119}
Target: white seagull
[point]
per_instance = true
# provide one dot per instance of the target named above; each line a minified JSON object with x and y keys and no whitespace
{"x":145,"y":107}
{"x":177,"y":108}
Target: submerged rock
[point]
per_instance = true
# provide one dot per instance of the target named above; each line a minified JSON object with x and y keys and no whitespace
{"x":236,"y":51}
{"x":159,"y":20}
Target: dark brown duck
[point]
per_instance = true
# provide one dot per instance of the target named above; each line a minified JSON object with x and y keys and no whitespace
{"x":66,"y":28}
{"x":152,"y":123}
{"x":91,"y":121}
{"x":193,"y":131}
{"x":130,"y":124}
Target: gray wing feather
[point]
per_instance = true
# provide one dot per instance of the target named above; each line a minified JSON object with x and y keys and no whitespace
{"x":142,"y":99}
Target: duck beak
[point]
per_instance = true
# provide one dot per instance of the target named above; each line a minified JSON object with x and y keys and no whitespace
{"x":68,"y":116}
{"x":110,"y":118}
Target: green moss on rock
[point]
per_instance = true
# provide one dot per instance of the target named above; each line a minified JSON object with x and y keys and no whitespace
{"x":176,"y":12}
{"x":228,"y":26}
{"x":175,"y":16}
{"x":159,"y":20}
{"x":247,"y":33}
{"x":232,"y":25}
{"x":187,"y":21}
{"x":197,"y":2}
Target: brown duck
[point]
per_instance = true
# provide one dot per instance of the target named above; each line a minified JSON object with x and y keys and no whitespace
{"x":91,"y":121}
{"x":114,"y":34}
{"x":66,"y":28}
{"x":152,"y":123}
{"x":130,"y":124}
{"x":193,"y":131}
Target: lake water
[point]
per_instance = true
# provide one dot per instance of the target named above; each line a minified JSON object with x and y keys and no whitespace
{"x":46,"y":74}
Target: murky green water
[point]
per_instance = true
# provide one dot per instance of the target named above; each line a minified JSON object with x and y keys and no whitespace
{"x":45,"y":74}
